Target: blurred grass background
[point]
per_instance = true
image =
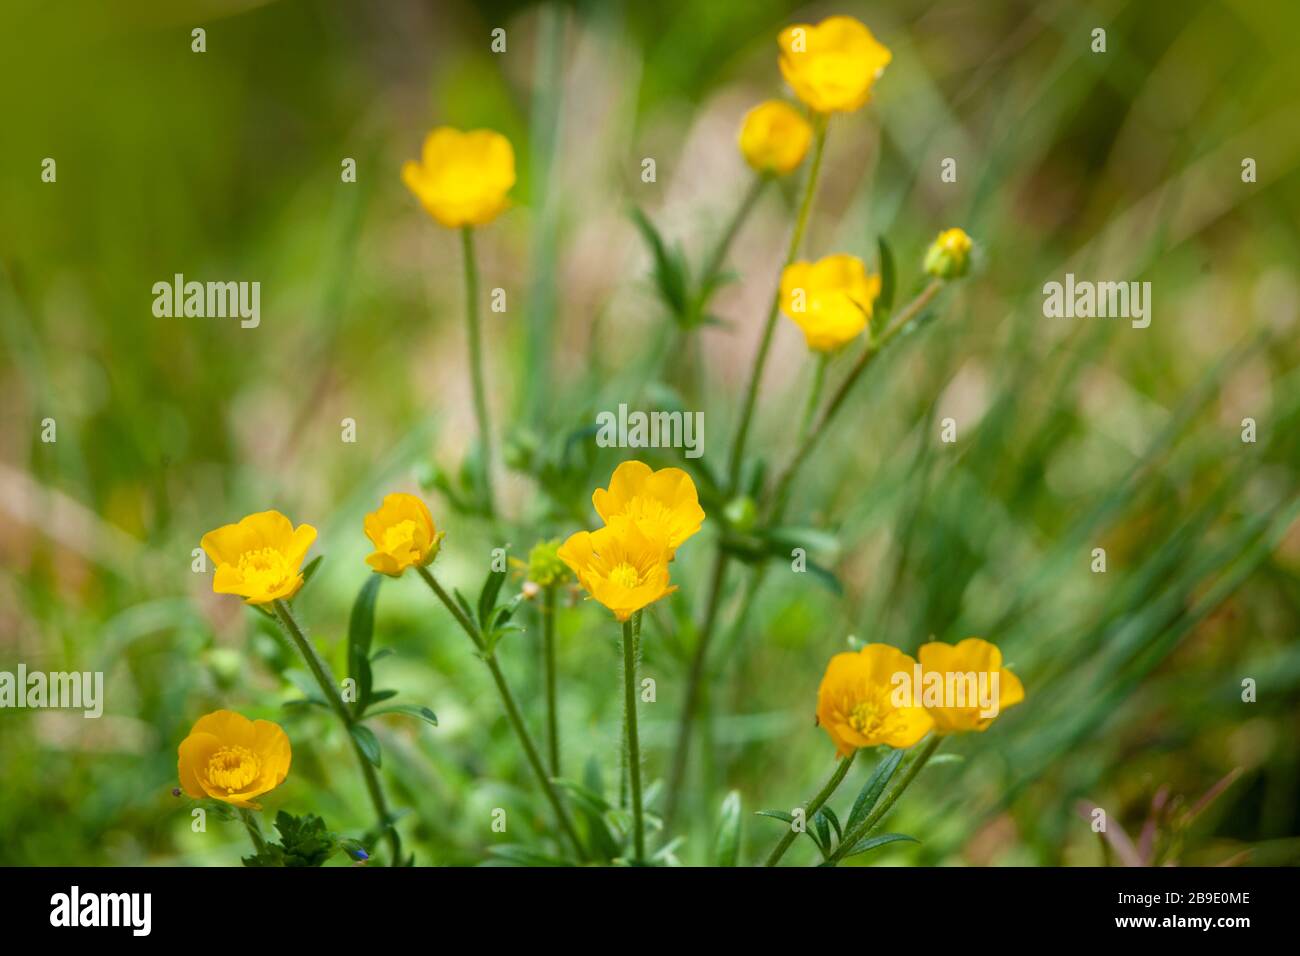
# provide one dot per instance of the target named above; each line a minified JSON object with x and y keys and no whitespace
{"x":1072,"y":434}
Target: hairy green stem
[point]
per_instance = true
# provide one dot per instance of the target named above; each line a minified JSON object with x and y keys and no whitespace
{"x":512,"y":711}
{"x":476,"y":365}
{"x":548,"y":666}
{"x":329,"y":687}
{"x":631,"y":739}
{"x":851,"y":839}
{"x":254,"y":831}
{"x":811,"y":808}
{"x":769,"y":326}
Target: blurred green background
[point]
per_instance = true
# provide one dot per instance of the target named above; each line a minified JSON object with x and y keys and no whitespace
{"x":1072,"y":434}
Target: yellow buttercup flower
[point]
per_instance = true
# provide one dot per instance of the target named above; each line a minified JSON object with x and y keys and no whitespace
{"x":949,"y":256}
{"x":856,"y":704}
{"x":233,"y":759}
{"x":663,"y":504}
{"x":619,"y":566}
{"x":403,"y":533}
{"x":774,"y":137}
{"x":260,"y":557}
{"x":969,"y":682}
{"x":831,"y":299}
{"x":462,"y":178}
{"x":832,"y":66}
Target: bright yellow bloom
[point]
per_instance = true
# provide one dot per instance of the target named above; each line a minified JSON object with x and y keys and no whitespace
{"x":970,"y":669}
{"x":619,"y":566}
{"x":831,"y":299}
{"x":462,"y":178}
{"x":403,"y":533}
{"x":663,"y":504}
{"x":231,"y":758}
{"x":774,"y":137}
{"x":949,"y":256}
{"x":833,"y":65}
{"x":856,"y":705}
{"x":260,"y":558}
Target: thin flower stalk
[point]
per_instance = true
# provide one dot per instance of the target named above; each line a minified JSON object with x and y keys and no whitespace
{"x":811,"y":808}
{"x":330,"y":689}
{"x":513,"y":713}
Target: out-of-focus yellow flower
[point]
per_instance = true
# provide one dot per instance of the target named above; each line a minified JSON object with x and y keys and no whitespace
{"x":972,"y":685}
{"x":403,"y":533}
{"x":832,"y":66}
{"x":949,"y":256}
{"x":831,"y":299}
{"x":260,"y":557}
{"x":774,"y":137}
{"x":544,"y":565}
{"x":462,"y":178}
{"x":663,"y":504}
{"x":619,"y":565}
{"x":231,"y":758}
{"x":856,"y":706}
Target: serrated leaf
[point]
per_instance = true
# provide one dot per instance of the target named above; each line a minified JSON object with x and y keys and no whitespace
{"x":726,"y":845}
{"x":872,"y":842}
{"x":368,"y":742}
{"x":873,"y":788}
{"x":409,"y":710}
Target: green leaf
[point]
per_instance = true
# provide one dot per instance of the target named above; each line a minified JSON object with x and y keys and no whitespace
{"x":382,"y":695}
{"x":888,"y":280}
{"x":781,"y":815}
{"x":524,"y":856}
{"x":304,"y":841}
{"x":669,"y":272}
{"x":464,"y":604}
{"x":361,"y":632}
{"x":823,"y":828}
{"x":834,"y":820}
{"x":487,"y":597}
{"x":726,"y":846}
{"x":368,"y":742}
{"x":870,"y":843}
{"x":410,"y":710}
{"x":310,"y":570}
{"x":596,"y":811}
{"x":873,"y":788}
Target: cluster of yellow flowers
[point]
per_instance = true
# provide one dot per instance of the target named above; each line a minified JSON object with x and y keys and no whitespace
{"x":463,"y":179}
{"x":859,"y":705}
{"x":648,"y":515}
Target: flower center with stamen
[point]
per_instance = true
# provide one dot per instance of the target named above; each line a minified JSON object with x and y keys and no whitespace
{"x":265,"y":568}
{"x":868,"y":716}
{"x":233,"y":768}
{"x":625,"y":575}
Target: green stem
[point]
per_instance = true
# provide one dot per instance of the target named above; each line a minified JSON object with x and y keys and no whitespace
{"x":254,"y":831}
{"x":887,"y":802}
{"x":548,"y":644}
{"x":329,"y":687}
{"x":632,"y":741}
{"x":811,"y":808}
{"x":690,"y":704}
{"x":874,"y":347}
{"x":476,"y":365}
{"x":512,"y":711}
{"x":765,"y":343}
